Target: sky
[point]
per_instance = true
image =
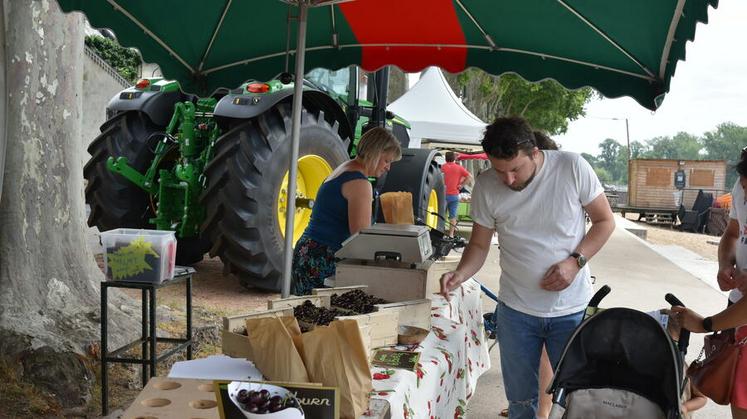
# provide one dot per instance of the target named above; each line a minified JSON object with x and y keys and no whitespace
{"x":709,"y":87}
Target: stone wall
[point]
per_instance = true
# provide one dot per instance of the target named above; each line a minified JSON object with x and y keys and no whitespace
{"x":100,"y":84}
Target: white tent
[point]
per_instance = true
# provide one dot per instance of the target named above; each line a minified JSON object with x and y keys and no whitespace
{"x":436,"y":113}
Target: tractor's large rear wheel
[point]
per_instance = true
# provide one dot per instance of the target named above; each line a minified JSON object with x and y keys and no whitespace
{"x":418,"y":172}
{"x":115,"y":201}
{"x":247,"y":194}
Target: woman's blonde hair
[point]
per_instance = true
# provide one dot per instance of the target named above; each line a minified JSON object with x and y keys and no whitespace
{"x":376,"y":142}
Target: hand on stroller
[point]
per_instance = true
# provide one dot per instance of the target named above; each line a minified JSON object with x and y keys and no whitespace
{"x":449,"y":282}
{"x":560,"y":275}
{"x":689,"y":319}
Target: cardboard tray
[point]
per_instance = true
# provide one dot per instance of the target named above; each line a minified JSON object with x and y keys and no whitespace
{"x":177,"y":398}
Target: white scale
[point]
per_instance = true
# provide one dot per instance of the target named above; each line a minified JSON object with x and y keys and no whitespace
{"x":404,"y":243}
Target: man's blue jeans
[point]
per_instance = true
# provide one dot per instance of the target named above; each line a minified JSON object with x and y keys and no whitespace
{"x":520,"y":338}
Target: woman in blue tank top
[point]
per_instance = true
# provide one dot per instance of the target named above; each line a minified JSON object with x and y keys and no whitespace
{"x":342,"y":207}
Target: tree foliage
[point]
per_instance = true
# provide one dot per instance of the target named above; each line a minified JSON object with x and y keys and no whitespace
{"x":613,"y":158}
{"x":726,"y":143}
{"x":397,"y":85}
{"x":547,"y":105}
{"x":126,"y":61}
{"x":682,"y":146}
{"x":603,"y":175}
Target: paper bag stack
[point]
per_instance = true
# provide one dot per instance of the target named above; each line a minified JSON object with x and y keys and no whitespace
{"x":397,"y":207}
{"x":332,"y":355}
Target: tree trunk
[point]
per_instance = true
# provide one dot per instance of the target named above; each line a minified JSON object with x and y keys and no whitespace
{"x":397,"y":84}
{"x":3,"y":97}
{"x":49,"y":292}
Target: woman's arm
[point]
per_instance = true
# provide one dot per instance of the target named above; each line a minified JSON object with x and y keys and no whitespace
{"x":359,"y":194}
{"x":727,"y":256}
{"x":734,"y":315}
{"x":695,"y":403}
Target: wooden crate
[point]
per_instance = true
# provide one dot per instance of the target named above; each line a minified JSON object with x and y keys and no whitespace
{"x":292,"y":302}
{"x":236,"y":345}
{"x":382,"y":327}
{"x":410,"y":313}
{"x":377,"y":328}
{"x":395,"y":284}
{"x":366,"y":337}
{"x":391,"y":284}
{"x":440,"y":267}
{"x":338,"y":290}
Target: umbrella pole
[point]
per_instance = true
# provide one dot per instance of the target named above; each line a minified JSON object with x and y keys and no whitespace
{"x":295,"y":139}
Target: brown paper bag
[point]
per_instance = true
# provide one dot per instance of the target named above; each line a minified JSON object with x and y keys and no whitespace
{"x":397,"y":207}
{"x":275,"y":350}
{"x":334,"y":355}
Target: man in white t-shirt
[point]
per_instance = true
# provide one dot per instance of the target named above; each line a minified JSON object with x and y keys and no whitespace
{"x":535,"y":200}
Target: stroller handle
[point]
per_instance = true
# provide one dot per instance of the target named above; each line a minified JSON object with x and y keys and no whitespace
{"x":671,"y":299}
{"x":684,"y":333}
{"x":599,"y":295}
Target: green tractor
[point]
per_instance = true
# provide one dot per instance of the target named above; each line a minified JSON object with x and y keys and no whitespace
{"x":215,"y":169}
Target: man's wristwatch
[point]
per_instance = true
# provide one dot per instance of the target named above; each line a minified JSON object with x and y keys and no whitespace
{"x":580,"y":259}
{"x":708,"y":324}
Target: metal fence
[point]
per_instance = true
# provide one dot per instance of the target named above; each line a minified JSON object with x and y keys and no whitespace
{"x":106,"y":67}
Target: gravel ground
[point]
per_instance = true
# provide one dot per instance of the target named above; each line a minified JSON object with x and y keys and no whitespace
{"x":702,"y":244}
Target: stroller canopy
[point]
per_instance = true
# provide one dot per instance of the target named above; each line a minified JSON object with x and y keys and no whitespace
{"x":624,"y":349}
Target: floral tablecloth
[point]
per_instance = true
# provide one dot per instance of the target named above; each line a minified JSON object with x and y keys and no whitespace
{"x":452,"y":358}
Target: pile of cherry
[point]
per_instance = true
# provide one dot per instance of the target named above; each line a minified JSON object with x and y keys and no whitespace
{"x":260,"y":401}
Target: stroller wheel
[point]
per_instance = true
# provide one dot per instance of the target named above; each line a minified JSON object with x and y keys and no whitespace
{"x":490,"y":328}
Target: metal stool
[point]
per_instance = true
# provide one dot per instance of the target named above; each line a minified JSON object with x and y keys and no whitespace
{"x":148,"y":338}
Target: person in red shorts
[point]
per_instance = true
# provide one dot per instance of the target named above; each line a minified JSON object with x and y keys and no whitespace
{"x":454,"y":177}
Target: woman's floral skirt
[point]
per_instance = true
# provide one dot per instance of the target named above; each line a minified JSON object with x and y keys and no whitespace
{"x":312,"y":263}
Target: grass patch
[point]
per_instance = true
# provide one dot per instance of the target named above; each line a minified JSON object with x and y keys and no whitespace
{"x":22,"y":399}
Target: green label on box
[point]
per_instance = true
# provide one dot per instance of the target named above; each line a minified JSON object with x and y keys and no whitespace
{"x":130,"y":260}
{"x":388,"y":358}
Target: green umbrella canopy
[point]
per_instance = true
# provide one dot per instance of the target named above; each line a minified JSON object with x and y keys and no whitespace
{"x":620,"y":48}
{"x":623,"y":47}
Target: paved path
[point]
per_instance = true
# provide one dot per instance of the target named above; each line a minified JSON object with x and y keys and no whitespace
{"x":639,"y":275}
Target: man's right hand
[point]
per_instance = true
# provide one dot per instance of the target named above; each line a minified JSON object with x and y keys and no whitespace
{"x":725,"y":278}
{"x":449,"y":282}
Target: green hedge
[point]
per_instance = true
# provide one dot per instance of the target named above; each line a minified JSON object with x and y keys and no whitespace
{"x":125,"y":60}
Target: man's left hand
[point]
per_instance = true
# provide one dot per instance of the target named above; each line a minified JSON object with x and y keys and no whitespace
{"x":560,"y":275}
{"x":740,"y":277}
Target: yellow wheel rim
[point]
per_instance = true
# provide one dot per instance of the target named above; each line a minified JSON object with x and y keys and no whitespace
{"x":312,"y":170}
{"x":430,"y":218}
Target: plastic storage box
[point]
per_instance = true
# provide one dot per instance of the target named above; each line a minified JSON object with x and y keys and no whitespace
{"x":139,"y":255}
